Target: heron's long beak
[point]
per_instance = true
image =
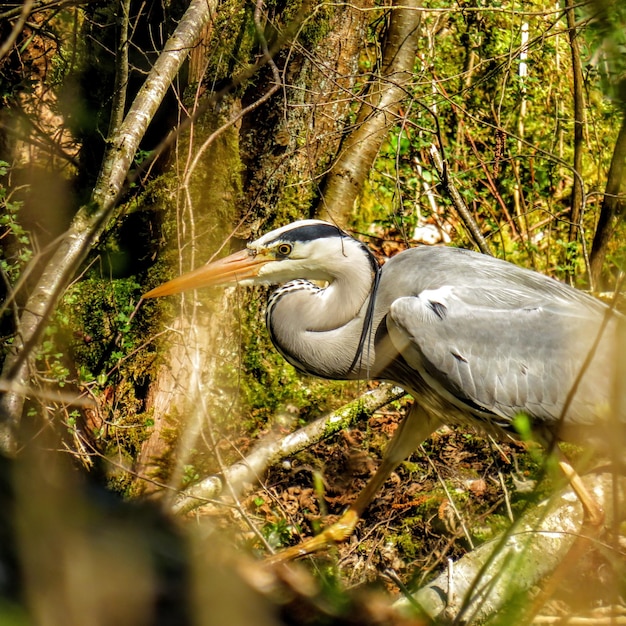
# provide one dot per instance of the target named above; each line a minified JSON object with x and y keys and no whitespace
{"x":236,"y":267}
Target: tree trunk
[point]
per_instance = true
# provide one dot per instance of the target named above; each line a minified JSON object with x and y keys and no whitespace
{"x":612,"y":203}
{"x":579,"y":124}
{"x":280,"y":148}
{"x":91,"y":219}
{"x":293,"y":139}
{"x":377,"y":115}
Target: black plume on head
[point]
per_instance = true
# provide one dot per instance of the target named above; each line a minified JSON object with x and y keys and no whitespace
{"x":311,"y":232}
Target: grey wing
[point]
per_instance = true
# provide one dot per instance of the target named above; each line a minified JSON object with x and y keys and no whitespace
{"x":484,"y":355}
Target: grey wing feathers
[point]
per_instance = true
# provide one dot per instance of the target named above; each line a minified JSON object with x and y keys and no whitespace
{"x":506,"y":344}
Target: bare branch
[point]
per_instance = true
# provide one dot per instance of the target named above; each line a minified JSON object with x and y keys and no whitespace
{"x":120,"y":87}
{"x":269,"y":453}
{"x":42,"y":5}
{"x":17,"y":28}
{"x":457,"y":201}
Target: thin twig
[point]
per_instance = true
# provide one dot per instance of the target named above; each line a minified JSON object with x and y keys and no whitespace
{"x":449,"y":496}
{"x":17,"y":28}
{"x":459,"y":204}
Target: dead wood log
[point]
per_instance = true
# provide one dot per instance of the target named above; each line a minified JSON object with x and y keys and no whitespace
{"x":480,"y":584}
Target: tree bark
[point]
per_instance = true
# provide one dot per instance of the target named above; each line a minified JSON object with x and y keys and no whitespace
{"x":92,"y":218}
{"x":264,"y":169}
{"x":292,"y":140}
{"x":121,"y":70}
{"x":377,"y":114}
{"x":611,"y":204}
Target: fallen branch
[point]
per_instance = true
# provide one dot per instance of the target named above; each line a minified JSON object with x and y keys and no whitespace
{"x":269,"y":453}
{"x":480,"y":584}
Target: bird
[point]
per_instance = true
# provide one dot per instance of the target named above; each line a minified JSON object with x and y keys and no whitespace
{"x":474,"y":339}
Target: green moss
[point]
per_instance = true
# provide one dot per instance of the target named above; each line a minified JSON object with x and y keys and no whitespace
{"x":100,"y":341}
{"x":409,"y":541}
{"x":318,"y":27}
{"x":492,"y":526}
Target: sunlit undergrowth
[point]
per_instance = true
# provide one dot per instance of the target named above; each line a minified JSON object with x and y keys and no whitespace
{"x":160,"y":396}
{"x":456,"y":492}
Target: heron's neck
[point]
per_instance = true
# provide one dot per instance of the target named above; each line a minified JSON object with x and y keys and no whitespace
{"x":318,"y":329}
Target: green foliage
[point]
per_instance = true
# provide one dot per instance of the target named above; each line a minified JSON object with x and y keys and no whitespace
{"x":190,"y":475}
{"x":606,"y":39}
{"x":523,"y":426}
{"x":95,"y":320}
{"x":91,"y":345}
{"x":17,"y":248}
{"x":509,"y":162}
{"x":278,"y":534}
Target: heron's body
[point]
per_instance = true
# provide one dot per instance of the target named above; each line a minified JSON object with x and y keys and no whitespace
{"x":474,"y":339}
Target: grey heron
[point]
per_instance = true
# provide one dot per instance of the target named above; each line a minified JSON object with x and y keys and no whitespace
{"x":474,"y":339}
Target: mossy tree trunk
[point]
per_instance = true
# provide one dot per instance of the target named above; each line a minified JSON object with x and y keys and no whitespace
{"x":377,"y":114}
{"x":255,"y":170}
{"x":91,"y":219}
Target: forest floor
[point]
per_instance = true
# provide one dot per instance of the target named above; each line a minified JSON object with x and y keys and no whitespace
{"x":457,"y":491}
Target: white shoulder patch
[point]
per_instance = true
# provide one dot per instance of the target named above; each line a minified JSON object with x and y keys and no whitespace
{"x":440,"y":295}
{"x":429,"y":307}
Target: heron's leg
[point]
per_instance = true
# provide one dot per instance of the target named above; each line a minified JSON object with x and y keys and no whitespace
{"x":593,"y":511}
{"x":414,"y":429}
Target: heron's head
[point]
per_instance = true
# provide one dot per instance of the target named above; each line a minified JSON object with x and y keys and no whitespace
{"x":309,"y":249}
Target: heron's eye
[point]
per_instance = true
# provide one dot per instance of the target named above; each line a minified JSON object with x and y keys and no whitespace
{"x":284,"y":249}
